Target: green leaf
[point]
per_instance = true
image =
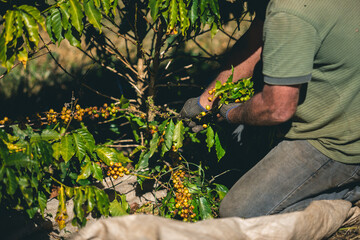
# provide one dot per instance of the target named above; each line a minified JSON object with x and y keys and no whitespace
{"x":90,"y":197}
{"x":34,"y":182}
{"x":93,"y":14}
{"x":121,"y":158}
{"x":143,"y":161}
{"x":97,"y":3}
{"x":3,"y":48}
{"x":168,"y":137}
{"x":73,"y":38}
{"x":154,"y":143}
{"x":218,"y":85}
{"x":50,"y":135}
{"x":117,"y":209}
{"x":65,"y":16}
{"x":42,"y":200}
{"x":78,"y":203}
{"x":76,"y":14}
{"x":102,"y":202}
{"x":220,"y":151}
{"x":9,"y":63}
{"x":178,"y":136}
{"x":56,"y":24}
{"x":22,"y":134}
{"x":210,"y":138}
{"x":42,"y":152}
{"x":19,"y":25}
{"x":4,"y":151}
{"x":19,"y":159}
{"x":32,"y":211}
{"x":194,"y":11}
{"x":35,"y":13}
{"x":154,"y":8}
{"x":106,"y":154}
{"x":87,"y":138}
{"x":80,"y":146}
{"x":85,"y":172}
{"x":173,"y":14}
{"x":48,"y":28}
{"x":56,"y":150}
{"x":31,"y":27}
{"x":184,"y":20}
{"x":106,"y":6}
{"x":11,"y":182}
{"x":214,"y":30}
{"x":97,"y":172}
{"x":204,"y":208}
{"x":221,"y":190}
{"x":67,"y":149}
{"x":214,"y":5}
{"x":9,"y":26}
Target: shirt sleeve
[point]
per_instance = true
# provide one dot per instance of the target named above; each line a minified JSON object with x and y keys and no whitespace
{"x":289,"y":49}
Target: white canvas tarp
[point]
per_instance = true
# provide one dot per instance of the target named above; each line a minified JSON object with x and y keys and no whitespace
{"x":318,"y":221}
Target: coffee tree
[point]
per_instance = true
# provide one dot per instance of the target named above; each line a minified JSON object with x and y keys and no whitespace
{"x":57,"y":149}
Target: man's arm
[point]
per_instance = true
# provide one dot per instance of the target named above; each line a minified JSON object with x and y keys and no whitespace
{"x":274,"y":105}
{"x":245,"y":54}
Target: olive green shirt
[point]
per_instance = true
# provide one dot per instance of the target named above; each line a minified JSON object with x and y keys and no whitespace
{"x":316,"y":43}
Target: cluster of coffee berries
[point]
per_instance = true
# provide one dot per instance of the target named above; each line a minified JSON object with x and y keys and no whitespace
{"x":4,"y":120}
{"x":78,"y":113}
{"x":183,"y":199}
{"x":116,"y":170}
{"x":105,"y":111}
{"x":51,"y":116}
{"x":66,"y":114}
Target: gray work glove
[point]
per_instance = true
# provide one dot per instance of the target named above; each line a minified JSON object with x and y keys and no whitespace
{"x":225,"y":109}
{"x":192,"y":108}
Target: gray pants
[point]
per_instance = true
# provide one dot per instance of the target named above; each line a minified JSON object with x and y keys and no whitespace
{"x":287,"y":179}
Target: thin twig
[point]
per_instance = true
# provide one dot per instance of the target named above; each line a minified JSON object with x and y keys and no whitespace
{"x":213,"y":178}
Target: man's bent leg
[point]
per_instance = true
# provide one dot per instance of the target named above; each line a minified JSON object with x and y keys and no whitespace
{"x":288,"y":178}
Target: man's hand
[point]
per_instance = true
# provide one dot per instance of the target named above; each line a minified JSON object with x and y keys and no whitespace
{"x":192,"y":108}
{"x":225,"y":109}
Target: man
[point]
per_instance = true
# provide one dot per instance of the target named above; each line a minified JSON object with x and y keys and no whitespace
{"x":310,"y":52}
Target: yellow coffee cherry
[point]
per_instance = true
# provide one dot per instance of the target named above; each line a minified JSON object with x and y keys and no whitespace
{"x":204,"y":125}
{"x":207,"y":107}
{"x":210,"y":99}
{"x":203,"y":113}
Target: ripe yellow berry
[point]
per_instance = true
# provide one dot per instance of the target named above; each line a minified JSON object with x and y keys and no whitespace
{"x":237,"y":100}
{"x":210,"y":92}
{"x":210,"y":99}
{"x":207,"y":107}
{"x":204,"y":125}
{"x":203,"y":113}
